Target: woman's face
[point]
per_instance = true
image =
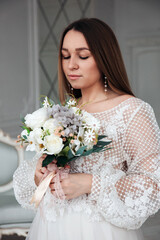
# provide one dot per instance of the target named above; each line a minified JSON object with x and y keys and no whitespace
{"x":78,"y":63}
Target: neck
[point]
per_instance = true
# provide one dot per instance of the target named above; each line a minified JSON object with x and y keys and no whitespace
{"x":91,"y":96}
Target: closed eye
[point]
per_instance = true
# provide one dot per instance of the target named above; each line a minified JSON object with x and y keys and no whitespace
{"x":83,"y":57}
{"x":67,"y":57}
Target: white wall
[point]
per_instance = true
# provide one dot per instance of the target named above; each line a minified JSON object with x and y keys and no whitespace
{"x":18,"y":62}
{"x":136,"y":24}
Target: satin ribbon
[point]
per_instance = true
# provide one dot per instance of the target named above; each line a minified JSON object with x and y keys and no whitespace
{"x":61,"y":173}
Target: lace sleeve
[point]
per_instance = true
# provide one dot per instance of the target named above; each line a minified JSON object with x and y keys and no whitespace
{"x":127,"y":199}
{"x":23,"y":182}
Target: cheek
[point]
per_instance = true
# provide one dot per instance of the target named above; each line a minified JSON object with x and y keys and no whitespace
{"x":94,"y":71}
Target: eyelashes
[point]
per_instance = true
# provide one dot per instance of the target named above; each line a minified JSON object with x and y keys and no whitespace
{"x":68,"y":57}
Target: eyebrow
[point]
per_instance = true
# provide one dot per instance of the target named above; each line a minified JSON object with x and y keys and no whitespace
{"x":77,"y":49}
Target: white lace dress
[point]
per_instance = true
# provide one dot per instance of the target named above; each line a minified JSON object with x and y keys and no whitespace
{"x":125,"y":187}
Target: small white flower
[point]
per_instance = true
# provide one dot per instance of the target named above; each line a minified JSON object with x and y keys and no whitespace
{"x":94,"y":124}
{"x":53,"y":144}
{"x":31,"y":146}
{"x":37,"y":118}
{"x":89,"y":136}
{"x":51,"y":124}
{"x":72,"y":102}
{"x":46,"y":104}
{"x":90,"y":121}
{"x":76,"y":110}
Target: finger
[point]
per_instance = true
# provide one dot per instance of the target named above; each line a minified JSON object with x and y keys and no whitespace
{"x":43,"y":169}
{"x":54,"y":161}
{"x":51,"y":185}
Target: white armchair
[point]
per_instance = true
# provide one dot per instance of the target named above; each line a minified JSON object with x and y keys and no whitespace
{"x":13,"y":218}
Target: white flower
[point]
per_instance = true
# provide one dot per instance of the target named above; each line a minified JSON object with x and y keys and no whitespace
{"x":46,"y":104}
{"x":76,"y":110}
{"x":75,"y":146}
{"x":89,"y":136}
{"x":71,"y":102}
{"x":94,"y":124}
{"x":31,"y":146}
{"x":35,"y":140}
{"x":53,"y":144}
{"x":37,"y":118}
{"x":90,"y":121}
{"x":80,"y":135}
{"x":38,"y":135}
{"x":51,"y":124}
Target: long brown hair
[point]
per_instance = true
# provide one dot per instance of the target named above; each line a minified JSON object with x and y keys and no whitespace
{"x":106,"y":52}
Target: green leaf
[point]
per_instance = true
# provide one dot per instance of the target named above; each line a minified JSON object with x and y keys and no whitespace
{"x":24,"y":136}
{"x":86,"y":153}
{"x":64,"y":152}
{"x":48,"y":160}
{"x":28,"y":129}
{"x":70,"y":154}
{"x":62,"y":161}
{"x":101,"y":137}
{"x":102,"y":143}
{"x":81,"y":150}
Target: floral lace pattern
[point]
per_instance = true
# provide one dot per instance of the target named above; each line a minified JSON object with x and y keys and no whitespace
{"x":126,"y":179}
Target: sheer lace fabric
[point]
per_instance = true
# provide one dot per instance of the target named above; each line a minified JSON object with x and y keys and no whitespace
{"x":126,"y":179}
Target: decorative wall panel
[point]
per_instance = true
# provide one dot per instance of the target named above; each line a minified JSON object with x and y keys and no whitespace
{"x":54,"y":15}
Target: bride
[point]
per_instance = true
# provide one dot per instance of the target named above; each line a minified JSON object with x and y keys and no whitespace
{"x":108,"y":195}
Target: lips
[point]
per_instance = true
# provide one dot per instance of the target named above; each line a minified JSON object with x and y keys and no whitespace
{"x":74,"y":76}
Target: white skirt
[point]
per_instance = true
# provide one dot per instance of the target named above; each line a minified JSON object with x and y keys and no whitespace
{"x":76,"y":226}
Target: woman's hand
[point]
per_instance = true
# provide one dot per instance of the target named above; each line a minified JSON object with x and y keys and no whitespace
{"x":39,"y":170}
{"x":74,"y":185}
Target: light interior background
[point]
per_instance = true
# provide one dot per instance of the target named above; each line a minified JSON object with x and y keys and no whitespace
{"x":29,"y":36}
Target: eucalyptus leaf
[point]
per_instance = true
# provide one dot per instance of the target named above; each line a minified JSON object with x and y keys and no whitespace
{"x":81,"y":150}
{"x":70,"y":154}
{"x":102,"y":143}
{"x":24,"y":136}
{"x":48,"y":160}
{"x":101,"y":137}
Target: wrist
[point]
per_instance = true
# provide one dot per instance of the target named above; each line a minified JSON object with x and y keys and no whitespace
{"x":88,"y":183}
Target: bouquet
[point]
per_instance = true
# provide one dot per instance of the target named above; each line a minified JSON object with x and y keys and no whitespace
{"x":62,"y":132}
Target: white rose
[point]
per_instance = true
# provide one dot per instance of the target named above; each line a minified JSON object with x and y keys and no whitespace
{"x":37,"y":118}
{"x":53,"y":144}
{"x":51,"y":124}
{"x":38,"y":135}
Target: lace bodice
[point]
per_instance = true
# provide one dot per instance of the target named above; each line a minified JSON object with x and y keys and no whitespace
{"x":126,"y":179}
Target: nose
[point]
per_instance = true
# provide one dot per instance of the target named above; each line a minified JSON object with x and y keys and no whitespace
{"x":73,"y":64}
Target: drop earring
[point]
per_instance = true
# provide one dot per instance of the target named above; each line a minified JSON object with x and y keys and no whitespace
{"x":105,"y":83}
